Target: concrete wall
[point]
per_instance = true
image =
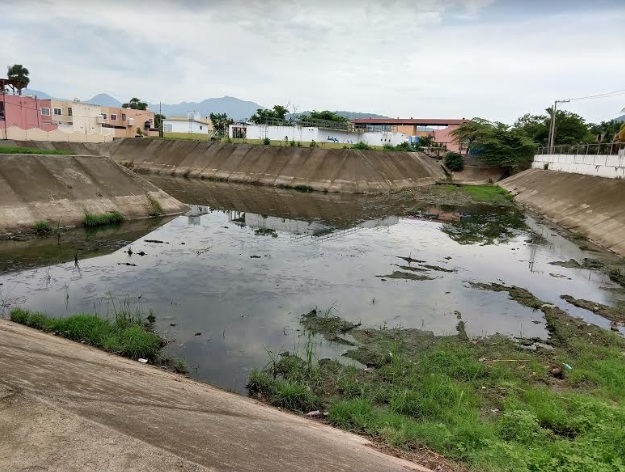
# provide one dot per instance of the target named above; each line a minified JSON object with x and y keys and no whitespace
{"x":593,"y":206}
{"x":61,"y":189}
{"x":306,"y":134}
{"x":599,"y":165}
{"x":334,"y":170}
{"x":64,"y":134}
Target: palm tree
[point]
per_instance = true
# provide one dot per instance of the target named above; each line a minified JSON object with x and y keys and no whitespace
{"x":18,"y":76}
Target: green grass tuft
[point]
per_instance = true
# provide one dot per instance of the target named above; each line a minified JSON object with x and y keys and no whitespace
{"x":25,"y":150}
{"x":125,"y":336}
{"x":113,"y":217}
{"x":43,"y":227}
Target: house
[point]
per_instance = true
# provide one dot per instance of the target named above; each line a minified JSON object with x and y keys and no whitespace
{"x":125,"y":121}
{"x":192,"y":123}
{"x":25,"y":113}
{"x":414,"y":128}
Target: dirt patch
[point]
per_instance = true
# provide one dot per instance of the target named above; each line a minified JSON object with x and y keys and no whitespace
{"x":328,"y":326}
{"x":518,"y":294}
{"x":585,"y":264}
{"x":438,"y":268}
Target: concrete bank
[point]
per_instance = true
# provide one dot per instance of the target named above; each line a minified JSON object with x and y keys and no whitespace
{"x":333,"y":170}
{"x":76,"y":148}
{"x":61,"y":189}
{"x":68,"y":407}
{"x":593,"y":206}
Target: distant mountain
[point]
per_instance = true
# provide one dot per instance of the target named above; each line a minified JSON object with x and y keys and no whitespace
{"x":620,"y":119}
{"x":36,"y":93}
{"x":233,"y":107}
{"x":354,"y":115}
{"x":105,"y":100}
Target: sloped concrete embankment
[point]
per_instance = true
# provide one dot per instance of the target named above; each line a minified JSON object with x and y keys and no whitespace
{"x":593,"y":206}
{"x":66,"y":407}
{"x":333,"y":170}
{"x":61,"y":189}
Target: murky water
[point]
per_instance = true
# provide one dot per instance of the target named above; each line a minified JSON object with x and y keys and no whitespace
{"x":230,"y":280}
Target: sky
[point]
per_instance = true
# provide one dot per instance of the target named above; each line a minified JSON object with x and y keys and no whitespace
{"x":496,"y":59}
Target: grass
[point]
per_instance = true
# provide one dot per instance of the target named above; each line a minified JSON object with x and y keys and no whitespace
{"x":113,"y":217}
{"x":43,"y":228}
{"x":485,"y":403}
{"x":127,"y":334}
{"x":26,"y":150}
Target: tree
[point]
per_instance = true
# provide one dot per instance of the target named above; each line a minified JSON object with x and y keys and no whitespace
{"x":325,"y":115}
{"x":606,"y":131}
{"x":158,"y":120}
{"x":18,"y":77}
{"x":221,"y":122}
{"x":265,"y":115}
{"x":496,"y":143}
{"x":135,"y":104}
{"x":570,"y":127}
{"x":454,"y":161}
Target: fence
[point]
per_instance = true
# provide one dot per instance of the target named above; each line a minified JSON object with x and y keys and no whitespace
{"x":605,"y":149}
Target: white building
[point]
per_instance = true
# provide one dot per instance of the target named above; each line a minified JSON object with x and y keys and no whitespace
{"x":192,"y":123}
{"x":307,"y":134}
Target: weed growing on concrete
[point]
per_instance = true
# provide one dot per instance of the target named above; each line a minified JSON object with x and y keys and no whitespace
{"x":155,"y":207}
{"x":266,"y":232}
{"x":113,"y":217}
{"x":485,"y":402}
{"x":126,"y":335}
{"x":43,"y":228}
{"x":303,"y":188}
{"x":26,"y":150}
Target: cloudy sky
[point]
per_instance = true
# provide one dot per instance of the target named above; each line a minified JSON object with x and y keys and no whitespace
{"x":496,"y":59}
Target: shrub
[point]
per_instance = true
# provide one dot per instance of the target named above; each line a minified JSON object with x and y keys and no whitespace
{"x":43,"y":227}
{"x":313,"y":143}
{"x":362,"y":146}
{"x":454,"y":161}
{"x":266,"y":141}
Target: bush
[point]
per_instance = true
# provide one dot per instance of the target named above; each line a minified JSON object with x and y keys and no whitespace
{"x":454,"y":161}
{"x":43,"y":227}
{"x":362,"y":146}
{"x":313,"y":143}
{"x":266,"y":141}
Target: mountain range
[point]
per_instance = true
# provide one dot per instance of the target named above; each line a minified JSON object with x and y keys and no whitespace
{"x":234,"y":107}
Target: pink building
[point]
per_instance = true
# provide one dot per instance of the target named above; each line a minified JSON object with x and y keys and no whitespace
{"x":25,"y":113}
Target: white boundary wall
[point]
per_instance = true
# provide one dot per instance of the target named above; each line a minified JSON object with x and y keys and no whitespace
{"x":599,"y":165}
{"x":57,"y":135}
{"x":307,"y":134}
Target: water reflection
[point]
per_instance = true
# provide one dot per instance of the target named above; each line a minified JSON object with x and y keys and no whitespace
{"x":244,"y":264}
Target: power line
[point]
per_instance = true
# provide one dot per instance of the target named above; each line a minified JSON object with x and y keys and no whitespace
{"x":599,"y":95}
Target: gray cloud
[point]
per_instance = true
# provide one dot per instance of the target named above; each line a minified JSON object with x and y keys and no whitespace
{"x":436,"y":58}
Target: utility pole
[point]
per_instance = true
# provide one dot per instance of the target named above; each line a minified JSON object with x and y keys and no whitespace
{"x":160,"y":124}
{"x":552,"y":129}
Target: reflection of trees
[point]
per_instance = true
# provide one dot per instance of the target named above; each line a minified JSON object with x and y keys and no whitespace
{"x":486,"y":227}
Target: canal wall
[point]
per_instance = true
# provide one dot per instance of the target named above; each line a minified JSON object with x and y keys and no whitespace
{"x":332,"y":170}
{"x":61,"y":189}
{"x":592,"y":206}
{"x":85,"y":149}
{"x":598,"y":165}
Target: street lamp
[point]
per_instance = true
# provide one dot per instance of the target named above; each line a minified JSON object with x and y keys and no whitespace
{"x":552,"y":129}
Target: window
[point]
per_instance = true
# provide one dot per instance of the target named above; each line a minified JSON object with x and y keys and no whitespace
{"x":1,"y":111}
{"x":123,"y":116}
{"x":113,"y":117}
{"x":104,"y":115}
{"x":69,"y":111}
{"x":200,"y":127}
{"x":45,"y":112}
{"x":58,"y":111}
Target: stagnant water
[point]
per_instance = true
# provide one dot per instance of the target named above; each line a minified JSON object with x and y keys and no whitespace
{"x":229,"y":281}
